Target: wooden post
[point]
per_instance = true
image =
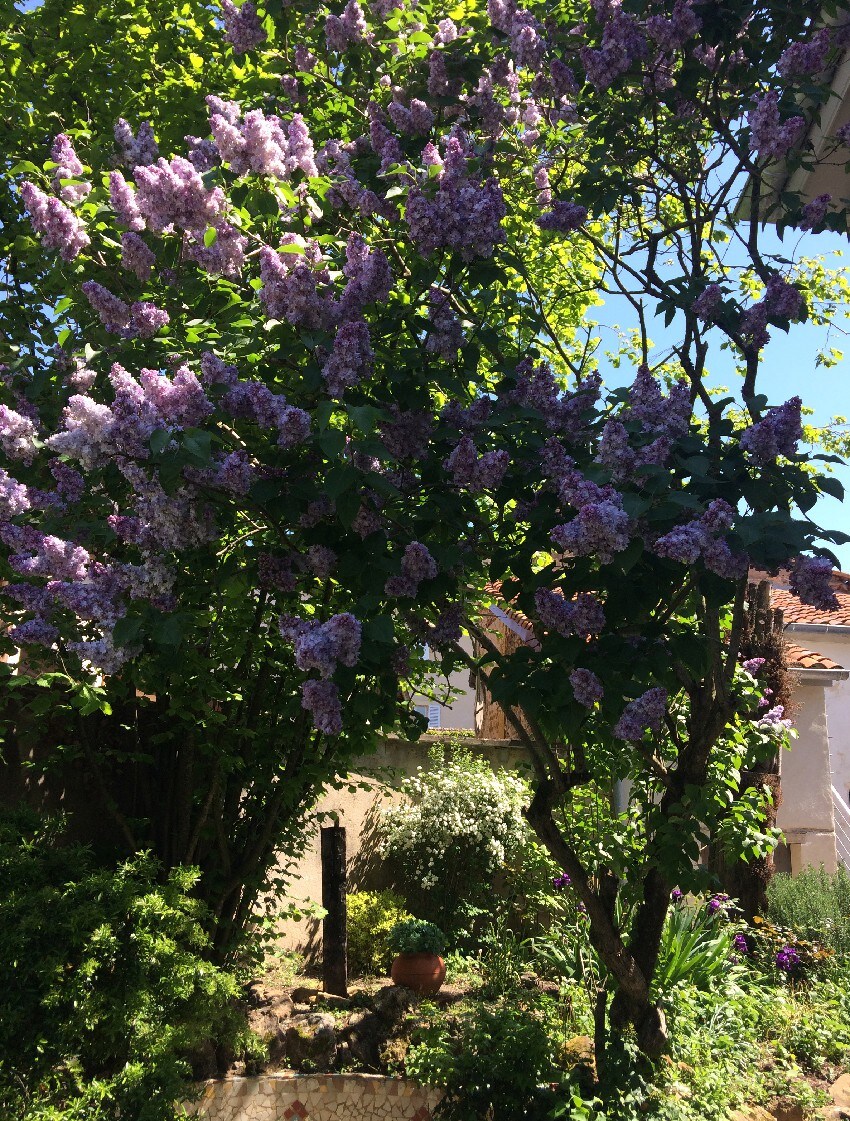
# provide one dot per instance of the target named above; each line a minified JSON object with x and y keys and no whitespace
{"x":334,"y":926}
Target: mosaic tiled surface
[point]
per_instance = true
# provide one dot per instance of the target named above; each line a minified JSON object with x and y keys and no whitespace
{"x":321,"y":1097}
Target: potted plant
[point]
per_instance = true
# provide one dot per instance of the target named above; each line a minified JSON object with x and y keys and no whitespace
{"x":418,"y":965}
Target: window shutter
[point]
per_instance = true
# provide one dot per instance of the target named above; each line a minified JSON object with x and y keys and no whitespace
{"x":433,"y":716}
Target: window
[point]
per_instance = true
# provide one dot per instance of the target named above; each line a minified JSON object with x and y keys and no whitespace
{"x":431,"y":712}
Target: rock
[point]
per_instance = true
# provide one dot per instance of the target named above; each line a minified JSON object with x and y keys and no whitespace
{"x":393,"y":1002}
{"x":331,"y":1000}
{"x":311,"y":1041}
{"x":528,"y":980}
{"x":786,"y":1110}
{"x":304,"y":994}
{"x":301,"y":1009}
{"x":751,"y":1113}
{"x":365,"y":1032}
{"x":577,"y":1055}
{"x":394,"y":1052}
{"x":840,"y":1092}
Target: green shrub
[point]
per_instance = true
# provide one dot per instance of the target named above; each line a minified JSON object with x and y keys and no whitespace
{"x":695,"y":947}
{"x":495,"y":1062}
{"x":105,"y":982}
{"x":416,"y":936}
{"x":371,"y":917}
{"x":814,"y":903}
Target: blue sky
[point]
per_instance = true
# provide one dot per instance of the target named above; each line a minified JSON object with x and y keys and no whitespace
{"x":788,"y":366}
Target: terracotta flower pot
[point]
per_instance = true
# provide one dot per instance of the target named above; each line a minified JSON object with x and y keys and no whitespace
{"x":424,"y":973}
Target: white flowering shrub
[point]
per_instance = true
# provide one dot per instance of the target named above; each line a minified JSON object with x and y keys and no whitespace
{"x":460,"y":825}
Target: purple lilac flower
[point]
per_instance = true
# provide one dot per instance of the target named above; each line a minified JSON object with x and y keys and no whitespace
{"x":774,"y":719}
{"x":406,"y":435}
{"x":242,"y":26}
{"x":787,"y":959}
{"x":708,"y":302}
{"x":777,"y":434}
{"x":417,"y":565}
{"x":368,"y":275}
{"x":562,"y":881}
{"x":321,"y":700}
{"x":136,"y":256}
{"x":68,"y":166}
{"x":172,"y":193}
{"x":645,"y":712}
{"x":753,"y":665}
{"x":17,"y":435}
{"x":305,"y":60}
{"x":672,"y":34}
{"x":14,"y":496}
{"x":254,"y":401}
{"x":122,"y":198}
{"x":814,"y":212}
{"x":350,"y":359}
{"x":473,"y":472}
{"x":290,"y":288}
{"x":321,"y":561}
{"x":36,"y":632}
{"x":113,"y":313}
{"x":349,"y":28}
{"x":587,"y":688}
{"x":447,"y":626}
{"x":811,"y":581}
{"x":803,"y":59}
{"x":564,"y":217}
{"x":146,"y":319}
{"x":139,"y":150}
{"x":321,"y":646}
{"x":445,"y":335}
{"x":275,"y":572}
{"x":599,"y":529}
{"x":59,"y":228}
{"x":462,"y":214}
{"x":202,"y":154}
{"x":446,"y":31}
{"x":770,"y":137}
{"x":582,"y":616}
{"x":225,"y":256}
{"x":668,"y":415}
{"x":623,"y":44}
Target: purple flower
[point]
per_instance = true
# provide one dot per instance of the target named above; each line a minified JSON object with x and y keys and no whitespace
{"x":60,"y":229}
{"x":351,"y":357}
{"x":753,"y":665}
{"x":645,"y":712}
{"x":672,"y":34}
{"x":417,"y":565}
{"x":139,"y":150}
{"x":717,"y":903}
{"x":740,"y":944}
{"x":587,"y":688}
{"x":787,"y":959}
{"x":146,"y":319}
{"x":708,"y":302}
{"x":136,"y":257}
{"x":225,"y":256}
{"x":776,"y":435}
{"x":473,"y":472}
{"x":770,"y":137}
{"x":242,"y":26}
{"x":68,"y":167}
{"x":17,"y":435}
{"x":814,"y":212}
{"x":290,"y":288}
{"x":562,"y":881}
{"x":811,"y":580}
{"x":321,"y":699}
{"x":172,"y":193}
{"x":37,"y":632}
{"x":582,"y":616}
{"x":122,"y":198}
{"x":563,"y":218}
{"x":676,"y":895}
{"x":599,"y":529}
{"x":349,"y":28}
{"x":623,"y":43}
{"x":321,"y":646}
{"x":802,"y":59}
{"x":445,"y":335}
{"x":658,"y":414}
{"x":14,"y":496}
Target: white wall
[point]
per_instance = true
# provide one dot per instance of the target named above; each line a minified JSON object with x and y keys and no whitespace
{"x":836,"y":647}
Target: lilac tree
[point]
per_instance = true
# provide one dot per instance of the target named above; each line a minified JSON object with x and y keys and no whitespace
{"x":324,"y":371}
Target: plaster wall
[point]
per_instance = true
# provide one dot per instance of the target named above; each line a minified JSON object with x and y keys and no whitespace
{"x":805,"y":814}
{"x":837,"y":647}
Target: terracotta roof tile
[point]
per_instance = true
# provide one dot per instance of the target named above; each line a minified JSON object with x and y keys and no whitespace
{"x":798,"y":658}
{"x":794,"y":611}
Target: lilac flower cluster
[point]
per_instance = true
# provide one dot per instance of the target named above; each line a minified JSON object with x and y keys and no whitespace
{"x":17,"y":435}
{"x":321,"y":646}
{"x":445,"y":335}
{"x":701,"y":538}
{"x":770,"y":137}
{"x":172,"y":193}
{"x":672,"y":34}
{"x":122,"y":198}
{"x":406,"y":435}
{"x":811,"y":581}
{"x":275,"y":572}
{"x":656,"y":413}
{"x":163,"y":522}
{"x":708,"y":302}
{"x":645,"y":712}
{"x":807,"y":58}
{"x":462,"y":214}
{"x":473,"y":472}
{"x":753,"y":665}
{"x":417,"y":565}
{"x":69,"y":166}
{"x":563,"y":218}
{"x":139,"y":150}
{"x":616,"y":453}
{"x":136,"y":256}
{"x":254,"y":401}
{"x":224,"y":256}
{"x":321,"y":699}
{"x":601,"y":528}
{"x":258,"y":143}
{"x":777,"y":434}
{"x":774,"y":720}
{"x":202,"y":154}
{"x":781,"y":301}
{"x":368,"y":275}
{"x":347,"y":29}
{"x":417,"y":120}
{"x":350,"y":359}
{"x":141,"y":319}
{"x":291,"y":287}
{"x":587,"y":688}
{"x":623,"y":44}
{"x":814,"y":212}
{"x":581,"y":616}
{"x":14,"y":496}
{"x":242,"y":26}
{"x":59,"y":228}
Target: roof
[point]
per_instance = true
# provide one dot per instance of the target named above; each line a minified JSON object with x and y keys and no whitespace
{"x":798,"y":658}
{"x":794,"y":611}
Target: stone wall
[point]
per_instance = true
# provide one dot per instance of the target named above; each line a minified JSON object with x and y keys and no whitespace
{"x":319,"y":1097}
